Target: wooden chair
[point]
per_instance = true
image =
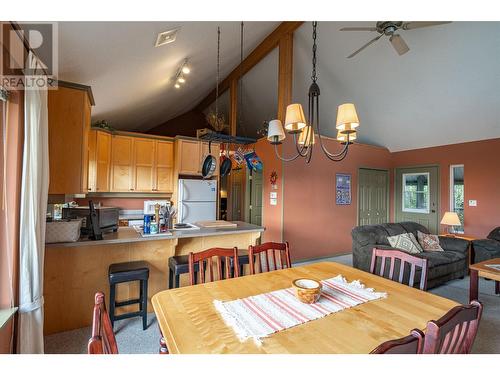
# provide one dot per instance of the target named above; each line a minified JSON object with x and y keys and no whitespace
{"x":455,"y":332}
{"x":227,"y":256}
{"x":411,"y":344}
{"x":403,"y":258}
{"x":103,"y":339}
{"x":275,"y":248}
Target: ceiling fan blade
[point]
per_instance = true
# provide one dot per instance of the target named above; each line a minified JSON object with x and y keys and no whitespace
{"x":358,"y":29}
{"x":366,"y":45}
{"x":420,"y":24}
{"x":399,"y":44}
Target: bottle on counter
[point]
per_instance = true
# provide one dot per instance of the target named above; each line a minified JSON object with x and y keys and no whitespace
{"x":147,"y":224}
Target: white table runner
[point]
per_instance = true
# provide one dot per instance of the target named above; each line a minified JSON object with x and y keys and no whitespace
{"x":261,"y":315}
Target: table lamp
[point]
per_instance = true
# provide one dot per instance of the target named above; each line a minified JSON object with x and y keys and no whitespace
{"x":451,"y":219}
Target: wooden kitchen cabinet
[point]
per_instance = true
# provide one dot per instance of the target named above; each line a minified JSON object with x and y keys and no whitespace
{"x":69,"y":109}
{"x":144,"y":164}
{"x":103,"y":161}
{"x":122,"y":164}
{"x":191,"y":153}
{"x":164,"y":168}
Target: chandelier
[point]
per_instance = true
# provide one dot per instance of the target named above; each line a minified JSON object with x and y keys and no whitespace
{"x":303,"y":131}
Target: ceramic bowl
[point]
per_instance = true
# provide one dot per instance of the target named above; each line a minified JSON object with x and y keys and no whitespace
{"x":307,"y":290}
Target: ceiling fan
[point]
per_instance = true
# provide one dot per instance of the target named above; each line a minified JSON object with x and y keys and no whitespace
{"x":389,"y":28}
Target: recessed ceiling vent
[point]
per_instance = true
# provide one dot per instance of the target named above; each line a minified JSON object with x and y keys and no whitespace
{"x":166,"y":37}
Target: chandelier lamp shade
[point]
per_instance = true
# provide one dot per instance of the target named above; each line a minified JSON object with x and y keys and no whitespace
{"x":275,"y":132}
{"x":305,"y":131}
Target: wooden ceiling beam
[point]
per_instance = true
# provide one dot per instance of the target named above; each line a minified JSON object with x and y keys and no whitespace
{"x":266,"y":46}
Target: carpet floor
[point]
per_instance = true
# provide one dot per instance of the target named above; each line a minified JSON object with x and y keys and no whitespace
{"x":132,"y":339}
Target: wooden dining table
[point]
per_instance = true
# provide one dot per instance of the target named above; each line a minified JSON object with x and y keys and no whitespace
{"x":190,"y":323}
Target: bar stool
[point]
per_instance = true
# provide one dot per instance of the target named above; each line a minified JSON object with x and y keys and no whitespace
{"x":179,"y":265}
{"x":126,"y":272}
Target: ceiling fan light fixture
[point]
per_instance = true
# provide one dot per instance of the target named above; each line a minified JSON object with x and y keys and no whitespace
{"x":347,"y":118}
{"x":295,"y":120}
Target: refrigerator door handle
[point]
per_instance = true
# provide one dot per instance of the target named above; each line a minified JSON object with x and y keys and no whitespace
{"x":184,"y":212}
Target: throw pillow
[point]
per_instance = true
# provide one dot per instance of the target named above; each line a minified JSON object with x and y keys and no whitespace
{"x":406,"y":242}
{"x":429,"y":242}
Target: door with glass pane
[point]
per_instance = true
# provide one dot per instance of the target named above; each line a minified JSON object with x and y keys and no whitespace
{"x":417,"y":196}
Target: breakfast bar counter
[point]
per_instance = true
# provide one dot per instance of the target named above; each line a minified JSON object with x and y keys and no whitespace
{"x":75,"y":271}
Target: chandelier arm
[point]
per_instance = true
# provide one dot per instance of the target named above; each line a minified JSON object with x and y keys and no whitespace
{"x":301,"y":149}
{"x":283,"y":158}
{"x":330,"y":155}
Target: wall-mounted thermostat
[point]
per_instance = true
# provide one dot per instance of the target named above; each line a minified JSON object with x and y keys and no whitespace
{"x":472,"y":203}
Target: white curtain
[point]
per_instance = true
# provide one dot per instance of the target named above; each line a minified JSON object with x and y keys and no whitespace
{"x":34,"y":192}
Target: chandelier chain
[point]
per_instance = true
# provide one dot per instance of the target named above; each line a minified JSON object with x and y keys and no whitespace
{"x":218,"y":75}
{"x":313,"y":77}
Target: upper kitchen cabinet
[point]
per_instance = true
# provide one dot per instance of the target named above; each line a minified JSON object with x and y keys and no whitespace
{"x":144,"y":164}
{"x":99,"y":161}
{"x":190,"y":154}
{"x":69,"y":108}
{"x":122,"y":149}
{"x":164,"y":169}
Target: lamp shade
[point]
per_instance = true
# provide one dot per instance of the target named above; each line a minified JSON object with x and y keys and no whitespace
{"x":347,"y":118}
{"x":294,"y":119}
{"x":275,"y":132}
{"x":450,"y":218}
{"x":343,"y":137}
{"x":306,"y":137}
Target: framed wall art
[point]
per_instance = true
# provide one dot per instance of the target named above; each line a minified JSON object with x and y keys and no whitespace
{"x":342,"y":188}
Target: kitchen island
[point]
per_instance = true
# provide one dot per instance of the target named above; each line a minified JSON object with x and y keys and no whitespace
{"x":75,"y":271}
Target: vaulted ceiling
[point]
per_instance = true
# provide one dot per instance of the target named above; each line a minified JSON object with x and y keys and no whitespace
{"x":132,"y":80}
{"x":443,"y":91}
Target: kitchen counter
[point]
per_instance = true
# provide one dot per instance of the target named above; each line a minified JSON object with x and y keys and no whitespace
{"x":129,"y":234}
{"x":75,"y":271}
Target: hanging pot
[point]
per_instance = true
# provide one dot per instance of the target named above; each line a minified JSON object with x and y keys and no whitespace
{"x":225,"y":164}
{"x":209,"y":164}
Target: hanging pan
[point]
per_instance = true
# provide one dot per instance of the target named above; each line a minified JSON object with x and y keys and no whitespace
{"x":209,"y":163}
{"x":225,"y":163}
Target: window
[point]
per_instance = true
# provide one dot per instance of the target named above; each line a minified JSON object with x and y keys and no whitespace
{"x":457,"y":194}
{"x":416,"y":192}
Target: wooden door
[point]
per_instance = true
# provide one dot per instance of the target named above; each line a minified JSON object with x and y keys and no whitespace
{"x":373,"y":190}
{"x":103,"y":161}
{"x":236,"y":195}
{"x":255,"y":207}
{"x":164,"y":176}
{"x":189,"y":157}
{"x":122,"y":163}
{"x":417,"y":196}
{"x":144,"y":162}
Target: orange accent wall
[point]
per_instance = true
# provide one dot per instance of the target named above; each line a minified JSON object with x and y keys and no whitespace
{"x":271,"y":215}
{"x":313,"y":224}
{"x":122,"y":203}
{"x":481,"y":162}
{"x":316,"y":227}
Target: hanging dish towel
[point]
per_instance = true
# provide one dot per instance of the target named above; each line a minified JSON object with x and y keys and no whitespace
{"x":261,"y":315}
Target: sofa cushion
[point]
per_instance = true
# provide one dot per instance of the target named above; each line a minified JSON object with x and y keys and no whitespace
{"x":405,"y":242}
{"x":429,"y":242}
{"x":438,"y":258}
{"x":494,"y":234}
{"x":412,"y":227}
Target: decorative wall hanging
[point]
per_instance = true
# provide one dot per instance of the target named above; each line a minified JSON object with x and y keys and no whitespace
{"x":274,"y":180}
{"x":342,"y":189}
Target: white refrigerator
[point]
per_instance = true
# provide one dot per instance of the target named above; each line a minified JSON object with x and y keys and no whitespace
{"x":197,"y":200}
